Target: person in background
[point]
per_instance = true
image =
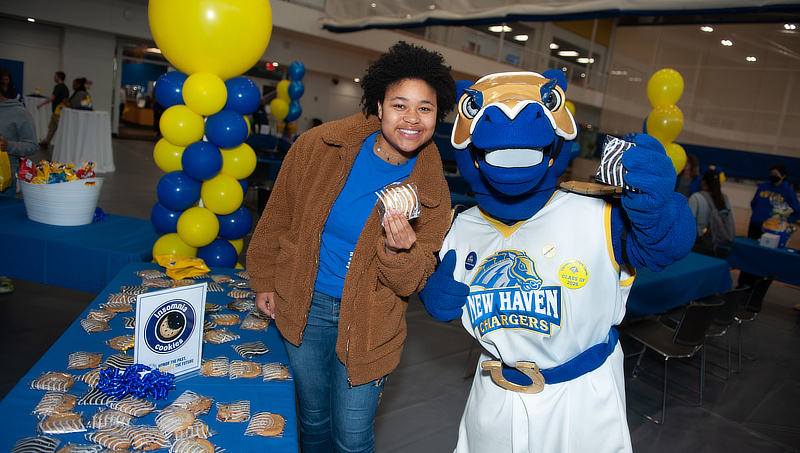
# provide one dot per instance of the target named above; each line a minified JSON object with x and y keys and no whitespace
{"x":80,"y":98}
{"x":17,"y":136}
{"x":689,"y":179}
{"x":59,"y":96}
{"x":776,"y":189}
{"x":18,"y":139}
{"x":702,"y":210}
{"x":335,"y":276}
{"x":7,"y":86}
{"x":261,"y":119}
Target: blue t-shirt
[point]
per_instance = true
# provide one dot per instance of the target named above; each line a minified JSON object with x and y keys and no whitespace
{"x":766,"y":194}
{"x":349,"y":213}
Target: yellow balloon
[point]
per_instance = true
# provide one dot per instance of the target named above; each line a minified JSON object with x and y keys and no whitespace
{"x":181,"y":126}
{"x":665,"y":123}
{"x":238,"y":244}
{"x":283,"y":90}
{"x":279,"y":108}
{"x":238,"y":266}
{"x":171,"y":244}
{"x":221,"y":195}
{"x":226,"y":38}
{"x":168,"y":156}
{"x":665,"y":87}
{"x":204,"y":93}
{"x":678,"y":156}
{"x":570,"y":106}
{"x":238,"y":162}
{"x":198,"y":226}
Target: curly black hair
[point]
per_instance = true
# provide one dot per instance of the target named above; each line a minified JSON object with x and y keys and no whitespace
{"x":407,"y":61}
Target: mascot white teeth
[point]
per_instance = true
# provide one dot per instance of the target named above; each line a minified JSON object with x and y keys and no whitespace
{"x":540,"y":275}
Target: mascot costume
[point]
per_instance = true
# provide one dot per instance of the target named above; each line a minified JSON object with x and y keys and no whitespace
{"x":540,"y":275}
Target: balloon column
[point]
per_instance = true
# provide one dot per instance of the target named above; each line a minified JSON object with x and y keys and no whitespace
{"x":665,"y":122}
{"x":286,"y":106}
{"x":202,"y":151}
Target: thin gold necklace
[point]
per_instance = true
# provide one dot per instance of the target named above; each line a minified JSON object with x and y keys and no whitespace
{"x":388,"y":157}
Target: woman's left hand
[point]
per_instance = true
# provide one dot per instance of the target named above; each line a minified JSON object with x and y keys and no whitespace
{"x":399,"y":234}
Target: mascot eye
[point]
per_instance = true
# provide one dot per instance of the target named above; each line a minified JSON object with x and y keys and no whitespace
{"x":470,"y":107}
{"x":553,"y":101}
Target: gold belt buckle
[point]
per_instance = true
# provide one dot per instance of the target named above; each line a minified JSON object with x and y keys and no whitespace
{"x":529,"y":369}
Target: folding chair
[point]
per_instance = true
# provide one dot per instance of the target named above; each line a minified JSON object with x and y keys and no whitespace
{"x":750,"y":310}
{"x":723,"y":320}
{"x":682,"y":342}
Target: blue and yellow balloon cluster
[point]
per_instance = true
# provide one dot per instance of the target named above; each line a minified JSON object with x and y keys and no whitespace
{"x":665,"y":122}
{"x":203,"y":150}
{"x":286,"y":106}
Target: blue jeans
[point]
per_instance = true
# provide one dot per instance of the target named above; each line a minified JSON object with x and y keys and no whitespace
{"x":333,"y":415}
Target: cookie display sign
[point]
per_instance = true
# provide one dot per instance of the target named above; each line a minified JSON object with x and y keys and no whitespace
{"x":169,"y":329}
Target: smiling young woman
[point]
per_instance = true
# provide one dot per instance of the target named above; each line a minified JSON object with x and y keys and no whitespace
{"x":333,"y":273}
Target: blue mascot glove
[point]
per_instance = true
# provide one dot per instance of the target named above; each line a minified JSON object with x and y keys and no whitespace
{"x":663,"y":226}
{"x":444,"y":296}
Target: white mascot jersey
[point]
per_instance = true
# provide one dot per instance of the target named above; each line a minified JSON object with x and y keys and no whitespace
{"x":543,"y":290}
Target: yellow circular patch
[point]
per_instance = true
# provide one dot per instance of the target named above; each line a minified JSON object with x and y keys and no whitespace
{"x":573,"y":274}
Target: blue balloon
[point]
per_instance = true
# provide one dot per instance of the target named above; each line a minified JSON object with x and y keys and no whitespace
{"x":226,"y":129}
{"x":201,"y":161}
{"x":294,"y":111}
{"x":235,"y":225}
{"x":177,"y":191}
{"x":243,"y":95}
{"x":219,"y":253}
{"x":164,"y":220}
{"x":169,"y":89}
{"x":297,"y":70}
{"x":243,"y":183}
{"x":295,"y":90}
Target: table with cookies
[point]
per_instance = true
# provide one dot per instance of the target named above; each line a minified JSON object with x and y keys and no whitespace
{"x":86,"y":394}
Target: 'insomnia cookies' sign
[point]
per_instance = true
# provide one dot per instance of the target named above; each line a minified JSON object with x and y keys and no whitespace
{"x":169,"y":329}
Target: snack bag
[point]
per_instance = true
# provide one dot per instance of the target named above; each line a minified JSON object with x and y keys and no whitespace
{"x":5,"y":171}
{"x":399,"y":196}
{"x":181,"y":266}
{"x":611,"y":171}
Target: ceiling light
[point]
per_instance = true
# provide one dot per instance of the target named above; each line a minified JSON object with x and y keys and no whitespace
{"x":499,"y":28}
{"x":554,"y":46}
{"x":585,"y":60}
{"x":357,"y":80}
{"x":521,"y":38}
{"x":431,"y":6}
{"x":789,"y":26}
{"x":568,"y":53}
{"x":726,"y":42}
{"x":153,"y":50}
{"x":707,"y":29}
{"x":31,"y":19}
{"x":751,"y":58}
{"x":275,"y":64}
{"x":374,"y":5}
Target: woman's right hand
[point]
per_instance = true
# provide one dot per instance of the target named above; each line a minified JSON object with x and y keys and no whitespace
{"x":265,"y":303}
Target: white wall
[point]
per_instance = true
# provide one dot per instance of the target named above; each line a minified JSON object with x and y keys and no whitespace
{"x":38,"y":46}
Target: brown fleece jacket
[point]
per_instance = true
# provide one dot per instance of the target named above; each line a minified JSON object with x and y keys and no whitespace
{"x":283,"y":255}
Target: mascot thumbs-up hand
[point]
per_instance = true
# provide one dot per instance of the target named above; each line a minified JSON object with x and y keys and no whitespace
{"x":444,"y":296}
{"x":661,"y":221}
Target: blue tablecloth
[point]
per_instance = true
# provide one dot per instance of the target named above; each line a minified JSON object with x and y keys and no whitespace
{"x":270,"y":396}
{"x":748,"y":256}
{"x":691,"y":278}
{"x":83,"y":257}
